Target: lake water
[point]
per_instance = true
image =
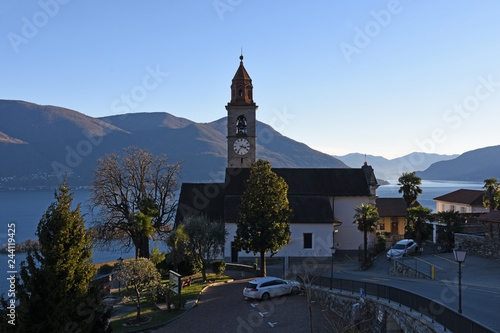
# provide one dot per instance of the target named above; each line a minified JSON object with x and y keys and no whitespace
{"x":430,"y":190}
{"x":25,"y":209}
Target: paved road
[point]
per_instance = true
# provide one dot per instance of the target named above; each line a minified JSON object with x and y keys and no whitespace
{"x":223,"y":309}
{"x":480,"y":283}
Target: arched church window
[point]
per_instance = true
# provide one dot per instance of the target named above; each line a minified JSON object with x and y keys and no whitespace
{"x":241,"y":125}
{"x":241,"y":93}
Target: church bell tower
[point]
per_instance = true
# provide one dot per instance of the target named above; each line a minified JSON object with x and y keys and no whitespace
{"x":241,"y":121}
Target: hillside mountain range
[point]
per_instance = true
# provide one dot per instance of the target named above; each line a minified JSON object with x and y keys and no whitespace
{"x":40,"y":144}
{"x":474,"y":165}
{"x":391,"y":169}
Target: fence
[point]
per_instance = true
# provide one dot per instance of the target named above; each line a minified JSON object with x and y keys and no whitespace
{"x":450,"y":319}
{"x":416,"y":265}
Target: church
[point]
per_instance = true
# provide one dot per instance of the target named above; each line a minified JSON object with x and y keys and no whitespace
{"x":322,"y":199}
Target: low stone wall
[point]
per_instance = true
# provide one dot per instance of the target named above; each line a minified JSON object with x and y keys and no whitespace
{"x":372,"y":315}
{"x":480,"y":246}
{"x":398,"y":269}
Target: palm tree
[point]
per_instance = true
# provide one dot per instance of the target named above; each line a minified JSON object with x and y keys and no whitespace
{"x":416,"y":226}
{"x":453,"y":222}
{"x":410,"y":187}
{"x":366,"y":217}
{"x":491,"y":198}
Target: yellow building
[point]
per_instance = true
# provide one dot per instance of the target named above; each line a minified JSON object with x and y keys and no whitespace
{"x":392,"y":212}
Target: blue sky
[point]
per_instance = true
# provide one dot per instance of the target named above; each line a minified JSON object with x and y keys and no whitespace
{"x":377,"y":77}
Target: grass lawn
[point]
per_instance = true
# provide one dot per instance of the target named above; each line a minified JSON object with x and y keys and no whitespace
{"x":160,"y":316}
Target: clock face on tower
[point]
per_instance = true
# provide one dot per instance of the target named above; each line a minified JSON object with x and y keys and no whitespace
{"x":241,"y":146}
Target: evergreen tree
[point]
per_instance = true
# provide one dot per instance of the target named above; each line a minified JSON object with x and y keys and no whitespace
{"x":264,"y":212}
{"x":56,"y":293}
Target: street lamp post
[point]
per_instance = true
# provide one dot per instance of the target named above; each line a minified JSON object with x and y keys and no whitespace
{"x":331,"y":271}
{"x":460,"y":258}
{"x":119,"y":260}
{"x":335,"y":224}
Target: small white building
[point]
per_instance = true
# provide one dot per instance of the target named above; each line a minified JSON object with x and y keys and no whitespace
{"x":462,"y":201}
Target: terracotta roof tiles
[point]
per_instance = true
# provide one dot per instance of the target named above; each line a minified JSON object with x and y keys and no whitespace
{"x":493,"y":216}
{"x":463,"y":196}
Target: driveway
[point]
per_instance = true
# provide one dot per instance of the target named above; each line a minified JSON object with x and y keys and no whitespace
{"x":224,"y":309}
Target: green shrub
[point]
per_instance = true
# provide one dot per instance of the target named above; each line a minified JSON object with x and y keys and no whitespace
{"x":178,"y":301}
{"x":163,"y":267}
{"x":380,"y":247}
{"x":188,"y":267}
{"x":218,"y":267}
{"x":162,"y":294}
{"x":156,"y":256}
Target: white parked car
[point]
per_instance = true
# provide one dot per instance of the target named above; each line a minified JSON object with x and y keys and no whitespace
{"x":267,"y":287}
{"x":402,"y":248}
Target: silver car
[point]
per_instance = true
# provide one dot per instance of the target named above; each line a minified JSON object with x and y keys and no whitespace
{"x":267,"y":287}
{"x":402,"y":248}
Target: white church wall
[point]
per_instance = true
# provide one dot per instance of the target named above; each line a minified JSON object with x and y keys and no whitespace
{"x":321,"y":241}
{"x":347,"y":237}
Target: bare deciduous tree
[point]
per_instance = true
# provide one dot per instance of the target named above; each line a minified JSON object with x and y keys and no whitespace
{"x":135,"y":198}
{"x":341,"y":314}
{"x":349,"y":315}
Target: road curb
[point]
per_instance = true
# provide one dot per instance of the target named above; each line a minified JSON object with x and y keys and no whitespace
{"x":195,"y":303}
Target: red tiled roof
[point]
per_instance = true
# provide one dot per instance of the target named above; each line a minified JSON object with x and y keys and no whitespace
{"x":493,"y":216}
{"x":468,"y":197}
{"x":241,"y":75}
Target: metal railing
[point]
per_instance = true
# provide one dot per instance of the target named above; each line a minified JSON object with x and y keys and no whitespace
{"x":417,"y":265}
{"x":450,"y":319}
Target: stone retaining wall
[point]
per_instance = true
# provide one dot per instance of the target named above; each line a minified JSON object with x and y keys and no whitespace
{"x":480,"y":246}
{"x":378,"y":315}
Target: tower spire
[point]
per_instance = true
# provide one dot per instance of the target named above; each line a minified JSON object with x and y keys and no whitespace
{"x":241,"y":87}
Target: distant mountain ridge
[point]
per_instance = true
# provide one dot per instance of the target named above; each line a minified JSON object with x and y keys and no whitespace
{"x":391,"y":169}
{"x":474,"y":165}
{"x":40,"y":144}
